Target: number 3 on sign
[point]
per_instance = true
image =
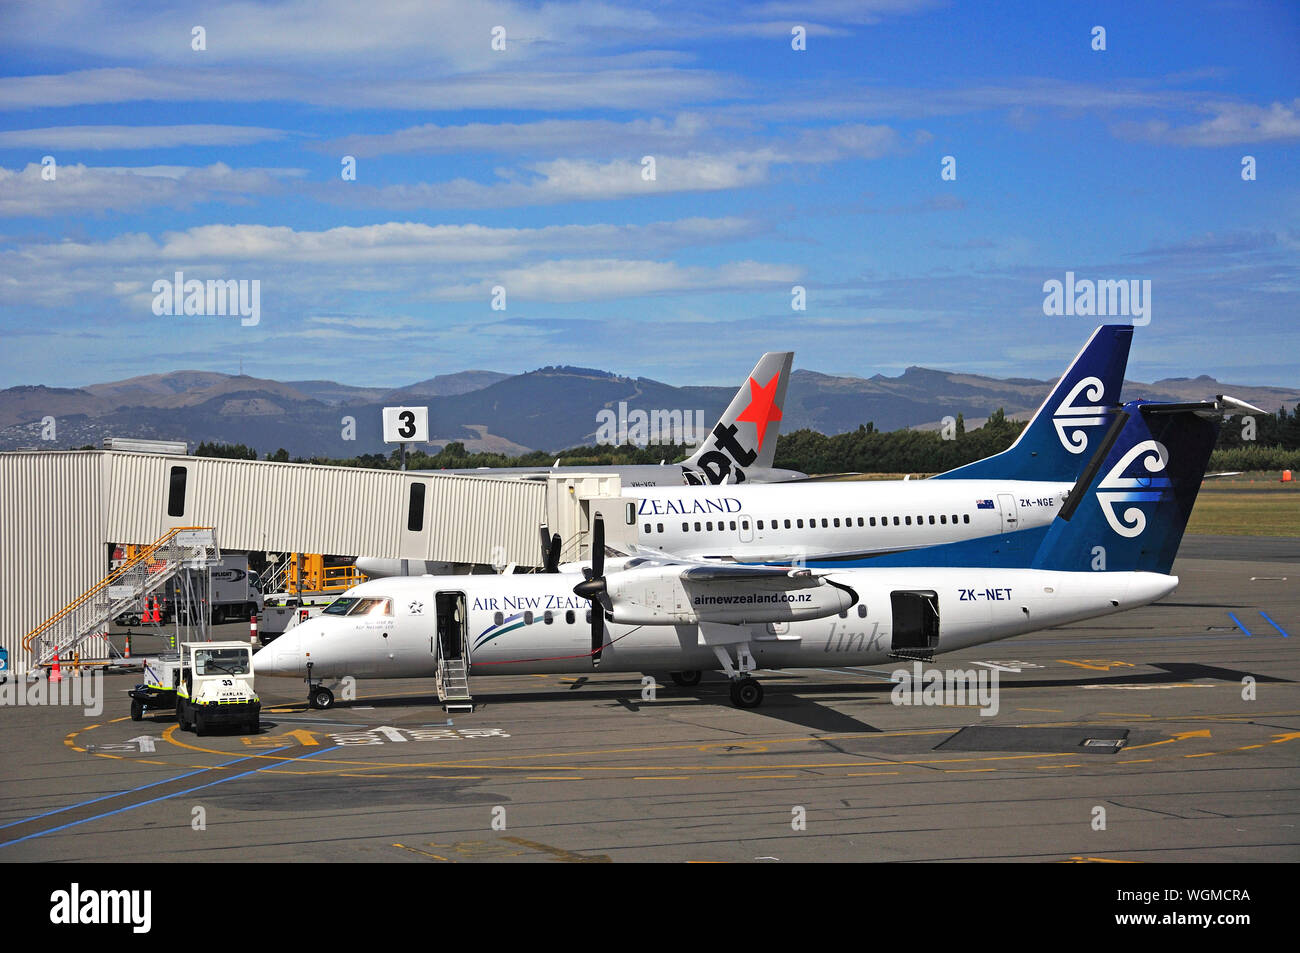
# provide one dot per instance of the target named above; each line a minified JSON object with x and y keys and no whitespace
{"x":406,"y":424}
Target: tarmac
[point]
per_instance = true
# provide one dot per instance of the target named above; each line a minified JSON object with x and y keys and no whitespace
{"x":1168,"y":733}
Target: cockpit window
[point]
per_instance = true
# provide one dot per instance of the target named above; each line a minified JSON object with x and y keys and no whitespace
{"x":349,"y":605}
{"x":340,"y":606}
{"x":372,"y":607}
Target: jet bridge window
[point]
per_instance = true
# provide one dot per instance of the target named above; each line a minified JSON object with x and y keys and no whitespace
{"x":176,"y":491}
{"x":415,"y":510}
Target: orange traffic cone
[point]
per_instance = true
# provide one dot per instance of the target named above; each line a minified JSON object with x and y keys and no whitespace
{"x":55,"y":674}
{"x":127,"y":654}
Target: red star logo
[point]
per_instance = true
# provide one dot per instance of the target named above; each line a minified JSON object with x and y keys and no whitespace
{"x":762,"y":409}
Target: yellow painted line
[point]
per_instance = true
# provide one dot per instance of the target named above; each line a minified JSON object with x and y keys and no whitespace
{"x":766,"y":777}
{"x":868,"y":774}
{"x":1248,"y":747}
{"x":1205,"y":754}
{"x":416,"y":850}
{"x":1137,"y":761}
{"x":1097,"y":860}
{"x":966,"y":770}
{"x":553,"y":778}
{"x":653,"y":778}
{"x":560,"y":853}
{"x":1054,"y":711}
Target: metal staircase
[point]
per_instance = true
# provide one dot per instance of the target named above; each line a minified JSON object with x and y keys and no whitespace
{"x":87,"y":616}
{"x":453,"y":686}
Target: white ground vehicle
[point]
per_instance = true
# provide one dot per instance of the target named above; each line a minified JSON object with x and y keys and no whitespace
{"x":209,"y":684}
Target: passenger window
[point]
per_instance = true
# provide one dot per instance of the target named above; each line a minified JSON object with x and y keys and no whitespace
{"x":799,"y":523}
{"x":660,"y":527}
{"x":569,"y":617}
{"x":733,"y":525}
{"x":931,"y":520}
{"x":686,"y":527}
{"x":862,"y":611}
{"x":697,"y":527}
{"x":709,"y":526}
{"x":873,"y":521}
{"x":837,"y":522}
{"x":528,"y":618}
{"x":787,"y":524}
{"x":965,"y":517}
{"x":908,"y":519}
{"x":861,"y":522}
{"x":760,"y":524}
{"x":498,"y":618}
{"x":647,"y":527}
{"x":588,"y":616}
{"x":943,"y":518}
{"x":896,"y":521}
{"x":548,"y":617}
{"x":825,"y":523}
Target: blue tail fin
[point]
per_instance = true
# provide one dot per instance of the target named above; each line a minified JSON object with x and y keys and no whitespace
{"x":1130,"y":513}
{"x":1056,"y":444}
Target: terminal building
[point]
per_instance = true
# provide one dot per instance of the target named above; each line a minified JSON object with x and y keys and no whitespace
{"x":63,"y":513}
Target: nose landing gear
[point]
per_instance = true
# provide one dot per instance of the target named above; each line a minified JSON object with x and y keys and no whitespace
{"x":320,"y":697}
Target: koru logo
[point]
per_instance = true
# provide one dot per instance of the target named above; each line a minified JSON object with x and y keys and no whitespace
{"x":416,"y":608}
{"x":1116,"y":488}
{"x":1070,"y":419}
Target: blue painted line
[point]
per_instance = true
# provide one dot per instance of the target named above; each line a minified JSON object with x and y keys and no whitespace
{"x":1274,"y":624}
{"x":94,"y":800}
{"x":1239,"y":625}
{"x":165,"y":797}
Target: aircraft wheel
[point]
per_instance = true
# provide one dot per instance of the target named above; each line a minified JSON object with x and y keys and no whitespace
{"x":321,"y":698}
{"x":746,"y":693}
{"x":685,"y":679}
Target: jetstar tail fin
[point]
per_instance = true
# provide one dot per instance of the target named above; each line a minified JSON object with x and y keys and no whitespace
{"x":746,"y":435}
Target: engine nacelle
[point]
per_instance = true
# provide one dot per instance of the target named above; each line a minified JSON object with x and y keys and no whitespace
{"x":654,"y":596}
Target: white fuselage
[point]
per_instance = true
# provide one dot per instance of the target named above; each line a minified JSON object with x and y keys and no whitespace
{"x":816,"y":519}
{"x":533,"y":624}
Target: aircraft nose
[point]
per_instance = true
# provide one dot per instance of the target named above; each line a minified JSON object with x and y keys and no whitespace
{"x":279,"y":657}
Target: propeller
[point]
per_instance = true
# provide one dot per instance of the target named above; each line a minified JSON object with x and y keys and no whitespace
{"x":550,"y":550}
{"x":594,"y":590}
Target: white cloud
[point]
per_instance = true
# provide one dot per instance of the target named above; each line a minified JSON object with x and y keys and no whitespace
{"x":79,"y":188}
{"x":596,"y":279}
{"x":135,"y":137}
{"x":1230,"y":124}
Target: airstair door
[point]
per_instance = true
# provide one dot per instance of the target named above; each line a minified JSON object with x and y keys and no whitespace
{"x":450,"y":636}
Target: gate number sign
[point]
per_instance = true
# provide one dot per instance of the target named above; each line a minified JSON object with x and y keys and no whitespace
{"x":406,"y":424}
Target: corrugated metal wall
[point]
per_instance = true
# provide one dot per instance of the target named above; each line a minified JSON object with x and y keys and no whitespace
{"x":52,"y":544}
{"x":59,"y":511}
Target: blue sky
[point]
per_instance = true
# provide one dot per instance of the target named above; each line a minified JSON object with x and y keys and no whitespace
{"x":522,"y":168}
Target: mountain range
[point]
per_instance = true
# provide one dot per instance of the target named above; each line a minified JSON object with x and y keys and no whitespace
{"x":547,"y":409}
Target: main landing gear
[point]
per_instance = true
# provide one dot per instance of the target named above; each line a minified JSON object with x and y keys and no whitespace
{"x":685,"y":679}
{"x":746,"y":692}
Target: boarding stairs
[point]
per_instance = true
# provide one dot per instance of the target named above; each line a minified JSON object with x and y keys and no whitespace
{"x":125,"y":588}
{"x":453,"y":686}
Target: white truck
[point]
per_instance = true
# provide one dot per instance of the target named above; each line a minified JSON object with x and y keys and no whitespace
{"x":209,"y":684}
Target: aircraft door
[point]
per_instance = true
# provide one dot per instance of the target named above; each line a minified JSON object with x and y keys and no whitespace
{"x":1010,"y":521}
{"x":915,"y":623}
{"x":746,"y":529}
{"x":449,"y":641}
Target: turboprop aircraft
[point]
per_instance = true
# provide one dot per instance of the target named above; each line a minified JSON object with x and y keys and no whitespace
{"x":1109,"y":547}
